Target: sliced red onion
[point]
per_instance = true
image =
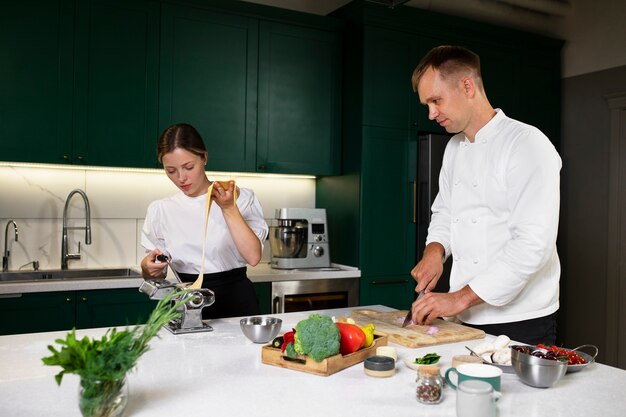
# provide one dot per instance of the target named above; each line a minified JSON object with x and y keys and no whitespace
{"x":432,"y":330}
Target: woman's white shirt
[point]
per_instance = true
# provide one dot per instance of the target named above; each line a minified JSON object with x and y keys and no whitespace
{"x":175,"y":225}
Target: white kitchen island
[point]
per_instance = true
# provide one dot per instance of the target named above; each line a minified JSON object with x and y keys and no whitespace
{"x":220,"y":374}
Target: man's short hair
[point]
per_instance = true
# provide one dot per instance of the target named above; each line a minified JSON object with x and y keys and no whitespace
{"x":450,"y":61}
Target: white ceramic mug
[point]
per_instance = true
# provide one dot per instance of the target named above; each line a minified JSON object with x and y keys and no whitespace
{"x":474,"y":371}
{"x":475,"y":398}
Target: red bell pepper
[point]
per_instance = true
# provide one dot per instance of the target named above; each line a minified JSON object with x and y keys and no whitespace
{"x":287,"y":338}
{"x":352,"y":338}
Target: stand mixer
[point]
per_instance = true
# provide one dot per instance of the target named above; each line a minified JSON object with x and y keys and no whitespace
{"x":191,"y":319}
{"x":299,"y":239}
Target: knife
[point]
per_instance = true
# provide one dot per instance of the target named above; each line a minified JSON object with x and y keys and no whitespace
{"x":407,"y":319}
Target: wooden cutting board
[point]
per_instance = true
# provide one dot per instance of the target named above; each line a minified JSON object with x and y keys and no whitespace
{"x":390,"y":323}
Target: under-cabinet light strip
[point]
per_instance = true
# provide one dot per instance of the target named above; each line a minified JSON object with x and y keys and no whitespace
{"x":146,"y":170}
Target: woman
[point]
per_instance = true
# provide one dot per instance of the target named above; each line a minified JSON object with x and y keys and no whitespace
{"x":174,"y":226}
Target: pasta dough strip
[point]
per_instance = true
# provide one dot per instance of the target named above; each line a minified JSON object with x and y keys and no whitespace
{"x":207,"y":209}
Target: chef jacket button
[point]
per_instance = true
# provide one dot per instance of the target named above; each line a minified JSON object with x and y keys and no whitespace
{"x":474,"y":220}
{"x":475,"y":184}
{"x":456,"y":182}
{"x":456,"y":220}
{"x":475,"y":261}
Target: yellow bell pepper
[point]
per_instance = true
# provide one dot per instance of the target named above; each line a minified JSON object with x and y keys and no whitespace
{"x":369,"y":334}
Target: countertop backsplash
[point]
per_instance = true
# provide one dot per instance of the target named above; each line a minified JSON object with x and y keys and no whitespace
{"x":35,"y":197}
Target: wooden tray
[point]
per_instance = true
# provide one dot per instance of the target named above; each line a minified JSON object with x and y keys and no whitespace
{"x":273,"y":356}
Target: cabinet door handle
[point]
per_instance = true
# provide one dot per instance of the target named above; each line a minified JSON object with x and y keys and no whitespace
{"x":414,"y":201}
{"x":79,"y":157}
{"x":84,"y":299}
{"x":390,"y":282}
{"x":68,"y":300}
{"x":66,"y":157}
{"x":262,"y":167}
{"x":276,"y":306}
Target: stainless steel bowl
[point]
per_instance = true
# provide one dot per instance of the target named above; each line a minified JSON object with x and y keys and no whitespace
{"x":537,"y":372}
{"x":260,"y":329}
{"x":288,"y":241}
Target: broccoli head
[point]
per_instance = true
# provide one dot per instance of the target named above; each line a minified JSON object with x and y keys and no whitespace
{"x":317,"y":337}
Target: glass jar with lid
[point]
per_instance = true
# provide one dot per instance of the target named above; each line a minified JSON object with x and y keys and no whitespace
{"x":429,"y":388}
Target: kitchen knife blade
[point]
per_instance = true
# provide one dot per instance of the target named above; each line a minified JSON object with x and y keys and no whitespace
{"x":407,"y":319}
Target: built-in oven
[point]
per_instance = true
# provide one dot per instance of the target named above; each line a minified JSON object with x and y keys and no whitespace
{"x":314,"y":294}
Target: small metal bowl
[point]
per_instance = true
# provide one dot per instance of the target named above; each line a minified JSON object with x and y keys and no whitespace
{"x":260,"y":329}
{"x":535,"y":371}
{"x":589,"y":359}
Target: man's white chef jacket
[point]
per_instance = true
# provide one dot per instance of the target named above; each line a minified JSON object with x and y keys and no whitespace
{"x":497,"y":214}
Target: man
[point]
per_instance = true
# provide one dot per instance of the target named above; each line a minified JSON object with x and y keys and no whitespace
{"x":496,"y":213}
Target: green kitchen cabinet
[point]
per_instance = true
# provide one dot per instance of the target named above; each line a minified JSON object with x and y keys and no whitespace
{"x":116,"y":80}
{"x":79,"y":82}
{"x":51,"y":311}
{"x":388,"y":210}
{"x":117,"y":307}
{"x":389,"y":59}
{"x":264,"y":295}
{"x":209,"y":79}
{"x":396,"y":291}
{"x":36,"y":43}
{"x":264,"y":95}
{"x":299,"y":100}
{"x":37,"y":312}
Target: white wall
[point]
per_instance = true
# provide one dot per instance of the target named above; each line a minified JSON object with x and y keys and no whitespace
{"x":35,"y":197}
{"x":595,"y":35}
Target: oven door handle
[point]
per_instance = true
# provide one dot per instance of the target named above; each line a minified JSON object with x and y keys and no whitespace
{"x":276,"y":305}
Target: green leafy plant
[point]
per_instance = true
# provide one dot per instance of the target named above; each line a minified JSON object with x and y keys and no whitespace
{"x":102,"y":364}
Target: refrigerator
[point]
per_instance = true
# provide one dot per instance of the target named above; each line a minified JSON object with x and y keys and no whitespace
{"x":431,"y":147}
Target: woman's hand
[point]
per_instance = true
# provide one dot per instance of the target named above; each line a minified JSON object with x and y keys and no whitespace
{"x":224,"y":197}
{"x":150,"y":268}
{"x":246,"y":241}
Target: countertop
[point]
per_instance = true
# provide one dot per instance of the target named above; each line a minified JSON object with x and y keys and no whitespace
{"x":260,"y":273}
{"x":220,"y":373}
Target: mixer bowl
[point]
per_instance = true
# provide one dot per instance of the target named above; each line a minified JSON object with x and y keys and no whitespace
{"x":288,"y":241}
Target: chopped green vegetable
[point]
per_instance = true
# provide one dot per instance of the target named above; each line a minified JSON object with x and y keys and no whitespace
{"x":317,"y":337}
{"x":428,"y":359}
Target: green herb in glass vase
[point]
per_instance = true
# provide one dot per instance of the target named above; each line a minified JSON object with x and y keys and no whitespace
{"x":103,"y":364}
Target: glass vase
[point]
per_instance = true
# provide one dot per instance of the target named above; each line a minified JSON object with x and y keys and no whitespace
{"x":102,"y":398}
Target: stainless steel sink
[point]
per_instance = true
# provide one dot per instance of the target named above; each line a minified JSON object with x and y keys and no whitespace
{"x":74,"y":274}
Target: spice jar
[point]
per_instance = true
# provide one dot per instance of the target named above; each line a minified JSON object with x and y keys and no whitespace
{"x":429,"y":385}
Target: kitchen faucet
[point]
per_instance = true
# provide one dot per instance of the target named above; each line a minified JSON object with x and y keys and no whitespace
{"x":65,"y":255}
{"x":7,"y":253}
